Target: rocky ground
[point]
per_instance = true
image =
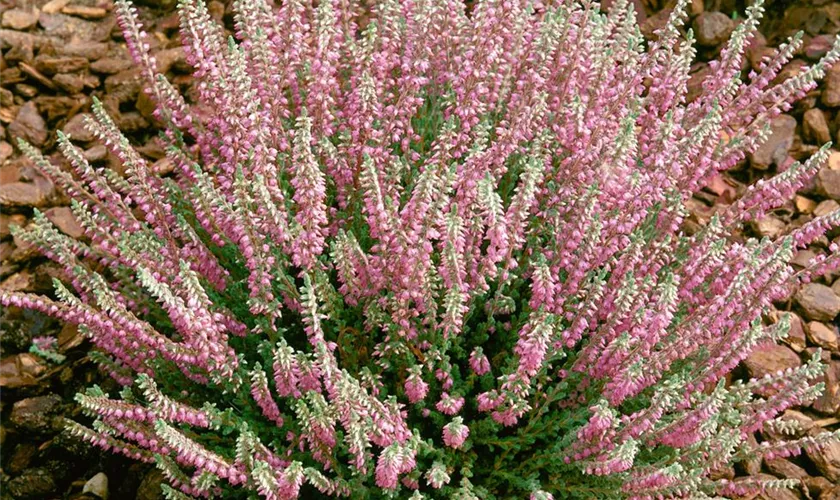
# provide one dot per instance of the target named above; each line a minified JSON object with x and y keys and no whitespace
{"x":59,"y":54}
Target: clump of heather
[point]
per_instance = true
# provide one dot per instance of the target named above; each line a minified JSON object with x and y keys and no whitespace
{"x":414,"y":251}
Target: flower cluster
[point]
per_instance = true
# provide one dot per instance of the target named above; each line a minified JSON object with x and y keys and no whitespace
{"x":418,"y":250}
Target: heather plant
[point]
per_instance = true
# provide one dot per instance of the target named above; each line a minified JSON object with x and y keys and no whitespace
{"x":418,"y":251}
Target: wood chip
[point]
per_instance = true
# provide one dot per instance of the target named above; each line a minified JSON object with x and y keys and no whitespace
{"x":37,"y":75}
{"x":85,"y":12}
{"x":54,"y":6}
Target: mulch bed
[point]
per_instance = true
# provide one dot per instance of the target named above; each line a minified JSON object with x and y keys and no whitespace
{"x":58,"y":54}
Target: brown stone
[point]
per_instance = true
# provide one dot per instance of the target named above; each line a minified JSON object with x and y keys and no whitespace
{"x":50,"y":65}
{"x":7,"y":248}
{"x":22,"y":52}
{"x":169,"y":58}
{"x":11,"y":76}
{"x":826,"y":207}
{"x":149,"y":488}
{"x":758,"y":54}
{"x":32,"y":483}
{"x":146,"y":106}
{"x":769,"y":226}
{"x":21,"y":457}
{"x":827,"y":459}
{"x":72,"y":83}
{"x":20,"y":370}
{"x":817,"y":486}
{"x":712,"y":28}
{"x":29,"y":125}
{"x":779,"y":493}
{"x":829,"y":401}
{"x":23,"y":281}
{"x":770,"y":358}
{"x":84,"y":11}
{"x":19,"y":19}
{"x":57,"y":106}
{"x":834,"y":160}
{"x":23,"y":250}
{"x":828,"y":183}
{"x":752,"y":465}
{"x":797,"y":425}
{"x":75,"y":128}
{"x":83,"y":48}
{"x":7,"y":99}
{"x":25,"y":90}
{"x":695,"y":81}
{"x":8,"y":220}
{"x":7,"y":115}
{"x":785,"y":469}
{"x":815,"y":127}
{"x":723,"y":472}
{"x":23,"y":194}
{"x":803,"y":258}
{"x":54,"y":6}
{"x":111,"y":65}
{"x":775,"y":150}
{"x":831,"y":90}
{"x":69,"y":337}
{"x":34,"y":414}
{"x":132,"y":121}
{"x":65,"y":221}
{"x":127,"y":81}
{"x":832,"y":493}
{"x":796,"y":335}
{"x":36,"y":75}
{"x":822,"y":335}
{"x":70,"y":27}
{"x":818,"y":302}
{"x":163,"y":167}
{"x":6,"y":151}
{"x":818,"y":46}
{"x":10,"y":38}
{"x":804,"y":205}
{"x":96,"y":153}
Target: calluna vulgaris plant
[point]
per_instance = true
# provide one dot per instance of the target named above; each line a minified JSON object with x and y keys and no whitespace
{"x":416,"y":251}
